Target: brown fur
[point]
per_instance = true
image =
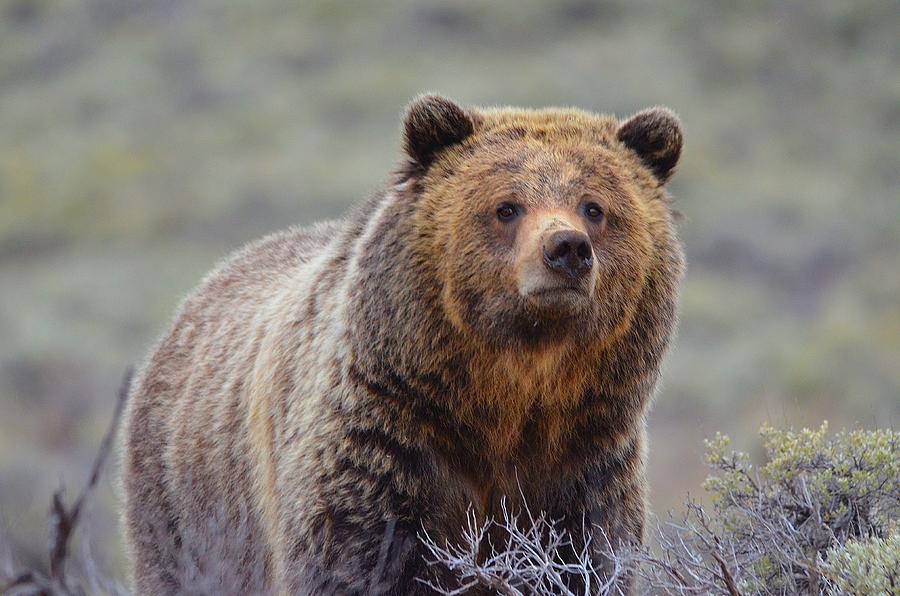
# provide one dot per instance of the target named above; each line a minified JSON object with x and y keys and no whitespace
{"x":329,"y":393}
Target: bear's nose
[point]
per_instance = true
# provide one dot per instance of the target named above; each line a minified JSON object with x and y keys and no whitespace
{"x":569,"y":252}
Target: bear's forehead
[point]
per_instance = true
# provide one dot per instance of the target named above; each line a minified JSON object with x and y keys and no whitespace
{"x":543,"y":153}
{"x":539,"y":172}
{"x":562,"y":127}
{"x":546,"y":144}
{"x":536,"y":157}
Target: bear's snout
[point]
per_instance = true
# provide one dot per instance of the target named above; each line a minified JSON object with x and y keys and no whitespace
{"x":569,"y":253}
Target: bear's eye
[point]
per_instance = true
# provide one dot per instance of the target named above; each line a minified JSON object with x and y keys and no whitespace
{"x":507,"y":211}
{"x":593,"y":211}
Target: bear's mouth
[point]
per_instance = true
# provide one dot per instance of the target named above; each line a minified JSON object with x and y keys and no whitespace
{"x":557,"y":291}
{"x":556,"y":301}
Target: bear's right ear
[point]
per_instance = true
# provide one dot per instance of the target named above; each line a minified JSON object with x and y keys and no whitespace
{"x":431,"y":123}
{"x":655,"y":135}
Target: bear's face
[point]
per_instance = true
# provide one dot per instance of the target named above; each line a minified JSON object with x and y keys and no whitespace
{"x":547,"y":223}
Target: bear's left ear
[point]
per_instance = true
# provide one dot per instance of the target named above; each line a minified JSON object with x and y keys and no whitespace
{"x":655,"y":135}
{"x":431,"y":123}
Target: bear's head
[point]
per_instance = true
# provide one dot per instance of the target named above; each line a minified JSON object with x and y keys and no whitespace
{"x":554,"y":221}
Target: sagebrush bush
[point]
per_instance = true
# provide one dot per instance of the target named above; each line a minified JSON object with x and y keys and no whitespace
{"x":794,"y":524}
{"x":866,"y":566}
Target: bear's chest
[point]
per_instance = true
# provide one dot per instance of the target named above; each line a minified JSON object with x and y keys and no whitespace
{"x":521,"y":408}
{"x":503,"y":453}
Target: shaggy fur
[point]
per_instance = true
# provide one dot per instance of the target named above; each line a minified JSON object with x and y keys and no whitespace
{"x":330,"y":392}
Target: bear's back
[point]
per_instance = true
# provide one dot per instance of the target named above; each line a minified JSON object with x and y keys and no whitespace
{"x":187,"y":450}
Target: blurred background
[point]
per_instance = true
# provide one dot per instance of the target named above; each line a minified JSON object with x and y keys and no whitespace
{"x":141,"y":141}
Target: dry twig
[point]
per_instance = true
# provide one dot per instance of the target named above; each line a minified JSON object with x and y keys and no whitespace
{"x":63,"y":520}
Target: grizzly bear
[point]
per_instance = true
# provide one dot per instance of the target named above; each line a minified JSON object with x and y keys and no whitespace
{"x":486,"y":331}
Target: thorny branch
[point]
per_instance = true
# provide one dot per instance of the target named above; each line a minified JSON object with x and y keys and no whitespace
{"x":63,"y":520}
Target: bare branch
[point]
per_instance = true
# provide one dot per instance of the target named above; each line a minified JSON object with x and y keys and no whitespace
{"x":63,"y":521}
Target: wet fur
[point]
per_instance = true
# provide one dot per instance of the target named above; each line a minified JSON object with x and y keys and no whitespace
{"x":333,"y":391}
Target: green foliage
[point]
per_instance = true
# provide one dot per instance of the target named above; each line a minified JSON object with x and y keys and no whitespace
{"x":819,"y":514}
{"x":869,"y":566}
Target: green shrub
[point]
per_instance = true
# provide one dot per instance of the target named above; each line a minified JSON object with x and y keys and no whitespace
{"x":819,"y":515}
{"x":866,"y":566}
